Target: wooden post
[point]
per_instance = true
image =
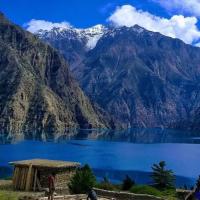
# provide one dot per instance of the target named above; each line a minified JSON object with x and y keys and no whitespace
{"x":35,"y":180}
{"x":28,"y":179}
{"x":17,"y":178}
{"x":25,"y":169}
{"x":22,"y":178}
{"x":14,"y":177}
{"x":25,"y":177}
{"x":39,"y":185}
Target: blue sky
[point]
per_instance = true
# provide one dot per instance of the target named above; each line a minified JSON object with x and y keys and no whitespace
{"x":174,"y":18}
{"x":80,"y":13}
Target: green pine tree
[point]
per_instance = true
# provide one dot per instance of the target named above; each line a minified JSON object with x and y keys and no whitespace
{"x":127,"y":183}
{"x":82,"y":181}
{"x":162,"y":177}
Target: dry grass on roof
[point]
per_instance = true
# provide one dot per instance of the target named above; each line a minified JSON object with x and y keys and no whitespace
{"x":45,"y":163}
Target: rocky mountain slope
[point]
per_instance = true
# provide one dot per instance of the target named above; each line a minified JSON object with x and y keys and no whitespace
{"x":73,"y":43}
{"x":38,"y":95}
{"x":142,"y":78}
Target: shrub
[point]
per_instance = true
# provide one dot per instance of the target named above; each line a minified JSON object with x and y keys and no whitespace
{"x":145,"y":189}
{"x":169,"y":193}
{"x":106,"y":185}
{"x":82,"y":181}
{"x":162,"y":177}
{"x":127,"y":183}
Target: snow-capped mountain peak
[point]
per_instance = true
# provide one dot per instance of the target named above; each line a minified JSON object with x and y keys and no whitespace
{"x":93,"y":34}
{"x":90,"y":36}
{"x":94,"y":30}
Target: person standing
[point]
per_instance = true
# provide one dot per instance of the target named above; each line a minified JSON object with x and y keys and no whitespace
{"x":197,"y":190}
{"x":92,"y":195}
{"x":51,"y":186}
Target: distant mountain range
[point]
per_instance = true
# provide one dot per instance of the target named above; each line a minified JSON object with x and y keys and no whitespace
{"x":133,"y":78}
{"x":38,"y":94}
{"x":141,"y":78}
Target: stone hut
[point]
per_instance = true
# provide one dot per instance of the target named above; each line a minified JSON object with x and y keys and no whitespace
{"x":32,"y":175}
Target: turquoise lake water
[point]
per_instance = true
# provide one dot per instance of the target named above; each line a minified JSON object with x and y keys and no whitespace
{"x":113,"y":154}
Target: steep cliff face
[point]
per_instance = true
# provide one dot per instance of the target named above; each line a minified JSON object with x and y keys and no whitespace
{"x":37,"y":92}
{"x":143,"y":79}
{"x":149,"y":80}
{"x":73,"y":43}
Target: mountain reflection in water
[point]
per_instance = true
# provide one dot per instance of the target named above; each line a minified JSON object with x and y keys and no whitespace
{"x":134,"y":135}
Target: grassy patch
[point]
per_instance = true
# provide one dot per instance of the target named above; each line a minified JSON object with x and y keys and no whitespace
{"x":108,"y":186}
{"x":145,"y":189}
{"x":8,"y":195}
{"x":169,"y":194}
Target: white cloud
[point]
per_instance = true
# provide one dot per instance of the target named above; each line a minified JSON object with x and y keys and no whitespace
{"x":197,"y":44}
{"x":181,"y":6}
{"x":177,"y":26}
{"x":36,"y":25}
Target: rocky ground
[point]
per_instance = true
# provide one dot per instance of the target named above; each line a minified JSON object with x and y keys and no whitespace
{"x":7,"y":192}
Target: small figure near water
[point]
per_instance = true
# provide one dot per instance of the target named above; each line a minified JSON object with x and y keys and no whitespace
{"x":51,"y":186}
{"x":92,"y":195}
{"x":197,"y":191}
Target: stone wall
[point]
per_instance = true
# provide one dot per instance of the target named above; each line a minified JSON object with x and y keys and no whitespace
{"x":63,"y":176}
{"x":102,"y":195}
{"x":124,"y":195}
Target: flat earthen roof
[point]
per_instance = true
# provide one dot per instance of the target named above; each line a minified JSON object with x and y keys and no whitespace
{"x":46,"y":163}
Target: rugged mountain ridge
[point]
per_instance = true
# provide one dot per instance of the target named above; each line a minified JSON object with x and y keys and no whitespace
{"x":73,"y":43}
{"x":142,"y":78}
{"x":38,"y":95}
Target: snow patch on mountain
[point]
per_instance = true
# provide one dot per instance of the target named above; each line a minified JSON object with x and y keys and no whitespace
{"x":89,"y":35}
{"x":93,"y":35}
{"x":92,"y":41}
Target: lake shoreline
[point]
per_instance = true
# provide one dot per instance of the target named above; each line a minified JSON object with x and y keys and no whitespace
{"x":115,"y":153}
{"x":117,"y":176}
